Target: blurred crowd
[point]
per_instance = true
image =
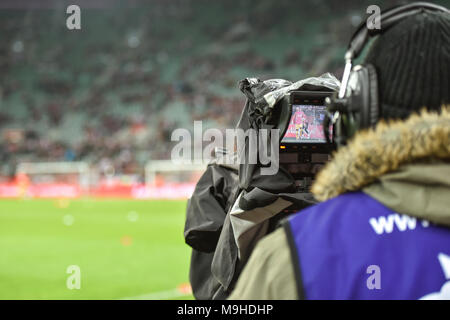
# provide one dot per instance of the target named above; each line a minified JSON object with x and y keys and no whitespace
{"x":112,"y":93}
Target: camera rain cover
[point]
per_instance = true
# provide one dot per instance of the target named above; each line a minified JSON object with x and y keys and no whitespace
{"x":262,"y":98}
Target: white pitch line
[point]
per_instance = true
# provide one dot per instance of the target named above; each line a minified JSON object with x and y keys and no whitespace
{"x":161,"y":295}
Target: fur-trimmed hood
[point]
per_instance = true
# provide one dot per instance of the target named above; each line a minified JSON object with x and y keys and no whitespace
{"x":373,"y":153}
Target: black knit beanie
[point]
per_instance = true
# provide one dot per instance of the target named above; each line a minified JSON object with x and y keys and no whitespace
{"x":412,"y":60}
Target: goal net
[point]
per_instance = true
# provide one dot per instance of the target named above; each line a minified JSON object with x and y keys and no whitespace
{"x":160,"y":173}
{"x":70,"y":173}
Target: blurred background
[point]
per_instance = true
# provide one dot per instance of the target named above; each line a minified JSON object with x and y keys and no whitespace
{"x":111,"y":93}
{"x":86,"y":118}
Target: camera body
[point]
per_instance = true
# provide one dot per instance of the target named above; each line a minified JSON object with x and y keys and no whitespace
{"x":304,"y":149}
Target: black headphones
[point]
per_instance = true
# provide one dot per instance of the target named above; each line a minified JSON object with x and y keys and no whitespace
{"x":356,"y":105}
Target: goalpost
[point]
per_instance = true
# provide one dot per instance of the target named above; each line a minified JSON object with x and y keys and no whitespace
{"x":163,"y":179}
{"x":48,"y":171}
{"x":166,"y":172}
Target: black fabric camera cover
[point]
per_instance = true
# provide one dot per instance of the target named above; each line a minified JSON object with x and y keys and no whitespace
{"x":216,"y":259}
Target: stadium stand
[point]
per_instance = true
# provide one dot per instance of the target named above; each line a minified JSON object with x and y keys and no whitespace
{"x":111,"y":94}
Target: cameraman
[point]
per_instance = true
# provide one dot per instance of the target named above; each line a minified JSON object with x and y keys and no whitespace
{"x":383,"y":230}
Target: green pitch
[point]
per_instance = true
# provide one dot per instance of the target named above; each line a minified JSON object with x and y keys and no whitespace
{"x":123,"y":249}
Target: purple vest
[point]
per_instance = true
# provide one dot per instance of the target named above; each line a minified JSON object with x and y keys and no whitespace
{"x":353,"y":247}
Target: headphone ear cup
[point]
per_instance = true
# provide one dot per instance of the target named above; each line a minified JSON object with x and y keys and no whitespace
{"x":358,"y":97}
{"x":374,"y":107}
{"x":361,"y":102}
{"x":363,"y":98}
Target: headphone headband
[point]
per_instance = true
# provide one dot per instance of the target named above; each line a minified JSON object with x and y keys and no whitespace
{"x":359,"y":107}
{"x":387,"y":19}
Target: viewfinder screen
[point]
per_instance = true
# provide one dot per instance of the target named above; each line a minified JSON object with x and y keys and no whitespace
{"x":306,"y":125}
